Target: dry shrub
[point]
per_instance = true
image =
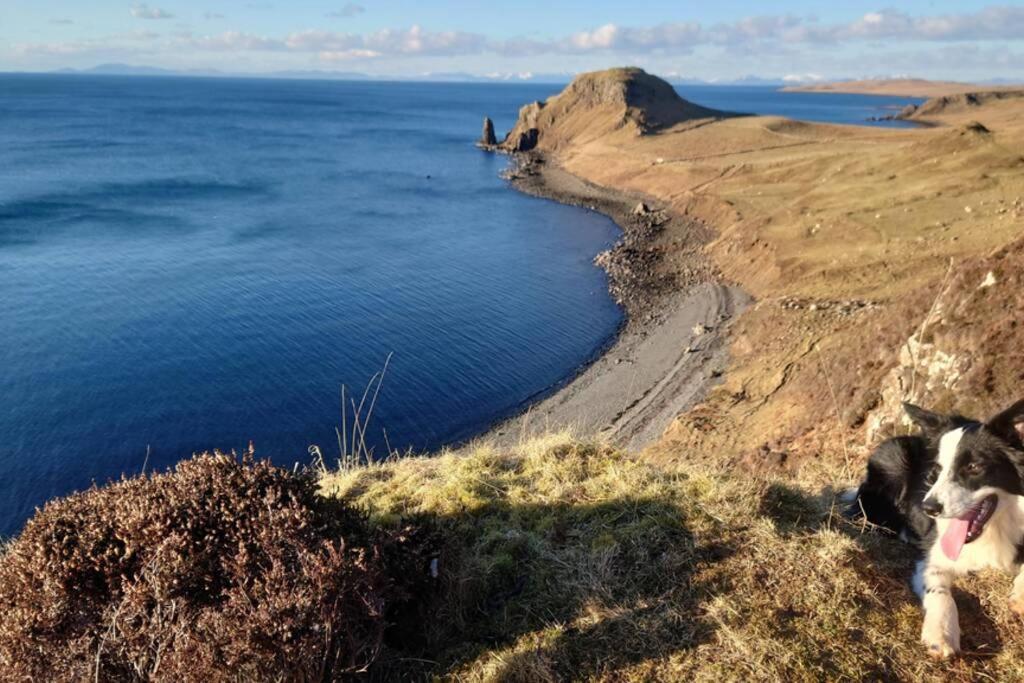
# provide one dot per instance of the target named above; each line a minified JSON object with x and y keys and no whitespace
{"x":216,"y":570}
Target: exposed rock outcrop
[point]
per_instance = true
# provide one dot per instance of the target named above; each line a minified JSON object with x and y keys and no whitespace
{"x":959,"y":103}
{"x":967,"y":354}
{"x":907,"y":111}
{"x":487,"y":138}
{"x":599,"y":103}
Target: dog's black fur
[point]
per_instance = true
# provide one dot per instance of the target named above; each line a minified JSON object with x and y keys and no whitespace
{"x":901,"y":470}
{"x":962,"y":478}
{"x":891,"y":494}
{"x":898,"y":478}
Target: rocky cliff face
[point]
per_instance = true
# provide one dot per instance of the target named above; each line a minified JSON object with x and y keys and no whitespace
{"x":968,"y":353}
{"x":599,"y":103}
{"x":958,"y":103}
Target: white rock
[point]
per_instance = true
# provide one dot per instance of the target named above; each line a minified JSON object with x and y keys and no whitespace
{"x":989,"y":280}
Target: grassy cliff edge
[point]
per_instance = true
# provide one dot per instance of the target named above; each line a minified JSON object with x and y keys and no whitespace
{"x":565,"y":560}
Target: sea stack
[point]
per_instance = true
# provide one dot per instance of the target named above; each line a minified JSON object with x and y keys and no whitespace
{"x":487,"y":138}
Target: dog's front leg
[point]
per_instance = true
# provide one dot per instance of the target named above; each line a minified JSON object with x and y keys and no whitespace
{"x":941,"y":630}
{"x":1017,"y":594}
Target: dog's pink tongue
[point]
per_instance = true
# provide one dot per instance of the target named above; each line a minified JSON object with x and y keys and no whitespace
{"x":955,"y":537}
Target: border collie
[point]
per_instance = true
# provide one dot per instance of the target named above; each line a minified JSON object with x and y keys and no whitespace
{"x":957,"y":490}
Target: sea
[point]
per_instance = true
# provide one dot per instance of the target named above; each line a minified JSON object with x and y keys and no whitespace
{"x":191,"y":263}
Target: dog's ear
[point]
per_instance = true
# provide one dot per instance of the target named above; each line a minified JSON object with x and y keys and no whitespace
{"x":933,"y":425}
{"x":1009,"y":425}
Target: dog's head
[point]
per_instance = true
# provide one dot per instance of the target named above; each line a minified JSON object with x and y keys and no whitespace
{"x":979,"y":466}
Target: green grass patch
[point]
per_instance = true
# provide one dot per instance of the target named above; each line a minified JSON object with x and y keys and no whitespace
{"x":561,"y":560}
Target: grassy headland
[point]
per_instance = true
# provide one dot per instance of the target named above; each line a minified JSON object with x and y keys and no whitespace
{"x":860,"y":246}
{"x":905,"y":87}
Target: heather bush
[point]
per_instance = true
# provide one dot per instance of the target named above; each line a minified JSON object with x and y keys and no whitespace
{"x":216,"y":570}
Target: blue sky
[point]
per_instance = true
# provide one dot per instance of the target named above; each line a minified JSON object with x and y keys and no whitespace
{"x":713,"y":40}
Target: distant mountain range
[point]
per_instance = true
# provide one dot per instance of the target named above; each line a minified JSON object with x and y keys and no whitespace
{"x":452,"y":76}
{"x":115,"y":69}
{"x":133,"y":70}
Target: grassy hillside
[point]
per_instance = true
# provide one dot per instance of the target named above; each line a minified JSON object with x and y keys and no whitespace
{"x":564,"y":560}
{"x":846,"y":236}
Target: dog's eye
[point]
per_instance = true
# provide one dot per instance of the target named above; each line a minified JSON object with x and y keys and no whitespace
{"x":972,"y":468}
{"x":933,"y":475}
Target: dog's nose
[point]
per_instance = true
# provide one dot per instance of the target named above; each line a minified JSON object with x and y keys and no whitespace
{"x":931,"y":507}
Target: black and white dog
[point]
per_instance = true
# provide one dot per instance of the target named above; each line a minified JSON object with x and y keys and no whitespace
{"x":957,"y":490}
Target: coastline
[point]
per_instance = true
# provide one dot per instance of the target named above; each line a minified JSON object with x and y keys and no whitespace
{"x":672,"y":346}
{"x":898,"y":87}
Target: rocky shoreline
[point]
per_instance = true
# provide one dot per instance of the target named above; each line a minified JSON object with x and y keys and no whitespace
{"x":635,"y":280}
{"x":672,"y":346}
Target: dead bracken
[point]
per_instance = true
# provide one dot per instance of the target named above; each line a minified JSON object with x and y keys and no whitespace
{"x":216,"y":570}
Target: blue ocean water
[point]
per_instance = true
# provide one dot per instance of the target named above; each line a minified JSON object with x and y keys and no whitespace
{"x":196,"y":263}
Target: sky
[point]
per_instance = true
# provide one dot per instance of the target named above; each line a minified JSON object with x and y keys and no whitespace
{"x":720,"y":40}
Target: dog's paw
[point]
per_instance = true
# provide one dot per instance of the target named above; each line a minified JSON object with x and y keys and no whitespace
{"x":941,"y":643}
{"x":942,"y":650}
{"x":1017,"y":604}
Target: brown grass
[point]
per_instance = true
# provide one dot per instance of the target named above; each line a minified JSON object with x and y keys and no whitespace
{"x":555,"y":560}
{"x":217,"y":570}
{"x":567,"y":561}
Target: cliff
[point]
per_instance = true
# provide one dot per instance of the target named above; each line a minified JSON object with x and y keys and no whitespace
{"x":960,"y":103}
{"x":598,"y":103}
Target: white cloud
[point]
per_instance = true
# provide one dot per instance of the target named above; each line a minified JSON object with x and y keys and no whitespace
{"x":600,"y":38}
{"x":411,"y":41}
{"x":792,"y":43}
{"x":235,"y":41}
{"x":144,"y":11}
{"x":347,"y":55}
{"x":113,"y":45}
{"x":991,"y":23}
{"x":350,"y":9}
{"x":416,"y":41}
{"x":802,"y":78}
{"x":679,"y":36}
{"x":323,"y":41}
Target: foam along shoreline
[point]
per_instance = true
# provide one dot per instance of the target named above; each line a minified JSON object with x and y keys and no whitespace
{"x":672,"y":347}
